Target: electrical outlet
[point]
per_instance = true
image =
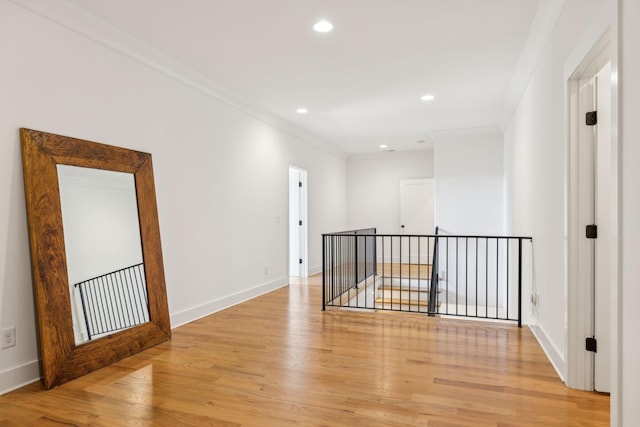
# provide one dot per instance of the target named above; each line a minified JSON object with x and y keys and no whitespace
{"x":9,"y":337}
{"x":534,"y":299}
{"x":266,"y":271}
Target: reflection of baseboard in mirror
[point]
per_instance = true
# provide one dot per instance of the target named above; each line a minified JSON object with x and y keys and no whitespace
{"x":95,"y":252}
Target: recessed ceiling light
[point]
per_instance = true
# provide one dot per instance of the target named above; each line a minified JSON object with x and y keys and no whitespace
{"x":383,"y":146}
{"x":323,"y":26}
{"x":302,"y":110}
{"x":428,"y":97}
{"x":420,"y":141}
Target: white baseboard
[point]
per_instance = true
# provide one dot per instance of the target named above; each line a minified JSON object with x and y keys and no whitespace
{"x":28,"y":373}
{"x":550,"y":350}
{"x":17,"y":377}
{"x":315,"y":270}
{"x":195,"y":313}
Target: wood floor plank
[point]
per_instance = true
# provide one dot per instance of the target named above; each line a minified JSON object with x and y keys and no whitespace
{"x":278,"y":360}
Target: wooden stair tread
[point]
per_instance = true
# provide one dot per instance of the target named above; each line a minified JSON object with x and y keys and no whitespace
{"x":381,"y":300}
{"x":405,"y":288}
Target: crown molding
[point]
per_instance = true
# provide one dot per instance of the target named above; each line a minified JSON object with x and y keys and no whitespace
{"x":75,"y":19}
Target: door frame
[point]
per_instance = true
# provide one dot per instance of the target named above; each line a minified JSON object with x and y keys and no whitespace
{"x":303,"y":246}
{"x":579,"y":364}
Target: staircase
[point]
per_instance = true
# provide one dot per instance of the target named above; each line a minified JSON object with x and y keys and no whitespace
{"x":406,"y":293}
{"x":481,"y":276}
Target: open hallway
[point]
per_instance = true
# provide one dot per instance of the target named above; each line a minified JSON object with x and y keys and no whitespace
{"x":279,"y":360}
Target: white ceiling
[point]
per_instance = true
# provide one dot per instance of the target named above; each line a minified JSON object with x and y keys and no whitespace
{"x":362,"y":82}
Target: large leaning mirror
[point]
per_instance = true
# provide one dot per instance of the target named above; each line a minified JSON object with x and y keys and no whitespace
{"x":95,"y":251}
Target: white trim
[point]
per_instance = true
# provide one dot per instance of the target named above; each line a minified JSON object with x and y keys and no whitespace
{"x":616,"y":410}
{"x":554,"y":356}
{"x":591,"y":53}
{"x":305,"y":223}
{"x":303,"y":236}
{"x":75,"y":19}
{"x":194,"y":313}
{"x":19,"y":376}
{"x":316,"y":269}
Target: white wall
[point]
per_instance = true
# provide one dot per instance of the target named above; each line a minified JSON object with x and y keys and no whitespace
{"x":626,"y":408}
{"x":100,"y":220}
{"x":373,"y":183}
{"x":469,"y":181}
{"x":221,"y":172}
{"x":536,"y":168}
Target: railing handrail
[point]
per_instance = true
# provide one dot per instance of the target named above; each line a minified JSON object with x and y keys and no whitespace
{"x":479,"y":236}
{"x":107,"y":274}
{"x":349,"y":232}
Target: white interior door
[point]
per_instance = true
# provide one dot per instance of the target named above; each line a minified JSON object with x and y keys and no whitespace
{"x":416,"y":218}
{"x":297,"y":222}
{"x":603,"y":219}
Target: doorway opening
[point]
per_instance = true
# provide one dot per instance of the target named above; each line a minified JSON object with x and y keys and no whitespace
{"x":298,"y":265}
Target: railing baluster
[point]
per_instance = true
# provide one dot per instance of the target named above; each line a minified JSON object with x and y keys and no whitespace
{"x":112,"y":321}
{"x":507,"y":280}
{"x":446,"y":282}
{"x":391,"y":282}
{"x":466,"y":276}
{"x":324,"y":273}
{"x":520,"y":283}
{"x":457,"y":276}
{"x":486,"y":280}
{"x":476,"y":312}
{"x":497,"y":274}
{"x":419,"y":280}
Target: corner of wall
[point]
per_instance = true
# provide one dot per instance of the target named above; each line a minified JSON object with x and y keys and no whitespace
{"x":554,"y":356}
{"x":316,"y":269}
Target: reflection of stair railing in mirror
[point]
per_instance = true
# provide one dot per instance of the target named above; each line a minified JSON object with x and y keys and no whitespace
{"x":112,"y":302}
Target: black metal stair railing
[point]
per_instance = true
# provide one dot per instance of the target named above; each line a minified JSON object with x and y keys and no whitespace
{"x":441,"y":274}
{"x":114,"y":301}
{"x":352,"y":257}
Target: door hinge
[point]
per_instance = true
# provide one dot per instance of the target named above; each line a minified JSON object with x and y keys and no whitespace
{"x":591,"y":344}
{"x":592,"y":231}
{"x":300,"y":261}
{"x":300,"y":184}
{"x":300,"y":222}
{"x":591,"y":118}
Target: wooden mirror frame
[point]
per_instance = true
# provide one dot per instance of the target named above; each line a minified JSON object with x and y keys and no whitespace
{"x":62,"y":359}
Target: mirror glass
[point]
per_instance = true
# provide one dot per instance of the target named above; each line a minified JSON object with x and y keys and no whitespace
{"x":104,"y":252}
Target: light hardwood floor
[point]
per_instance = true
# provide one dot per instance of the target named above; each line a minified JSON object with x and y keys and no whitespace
{"x":278,"y":360}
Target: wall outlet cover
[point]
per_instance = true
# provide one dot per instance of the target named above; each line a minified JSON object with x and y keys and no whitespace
{"x":9,"y":337}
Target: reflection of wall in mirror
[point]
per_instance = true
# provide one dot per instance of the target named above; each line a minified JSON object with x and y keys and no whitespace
{"x":101,"y":227}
